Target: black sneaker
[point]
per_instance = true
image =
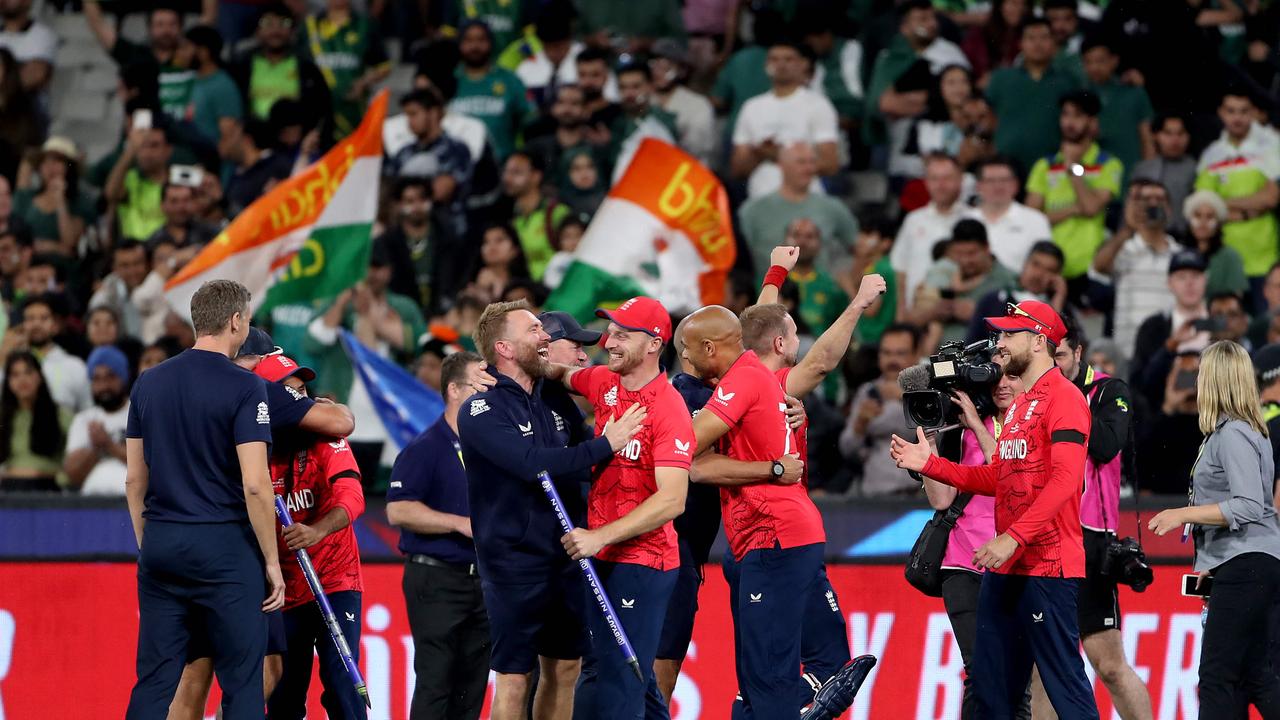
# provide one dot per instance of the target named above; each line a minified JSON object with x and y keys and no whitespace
{"x":837,"y":694}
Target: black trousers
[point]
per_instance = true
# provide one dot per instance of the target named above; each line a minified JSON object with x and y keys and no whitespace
{"x":960,"y":597}
{"x":450,"y":642}
{"x":1235,"y":665}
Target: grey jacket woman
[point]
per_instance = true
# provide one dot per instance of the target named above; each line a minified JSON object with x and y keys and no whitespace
{"x":1235,"y":470}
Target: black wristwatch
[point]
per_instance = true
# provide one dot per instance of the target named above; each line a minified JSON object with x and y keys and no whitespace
{"x":778,"y":470}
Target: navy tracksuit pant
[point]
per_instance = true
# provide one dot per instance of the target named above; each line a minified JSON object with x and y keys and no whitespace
{"x":200,"y":575}
{"x":1023,"y":621}
{"x":608,"y":688}
{"x":306,"y":632}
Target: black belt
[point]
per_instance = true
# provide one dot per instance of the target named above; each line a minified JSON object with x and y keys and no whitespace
{"x":465,"y":568}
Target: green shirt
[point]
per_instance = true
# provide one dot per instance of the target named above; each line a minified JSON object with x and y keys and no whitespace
{"x":1079,"y":237}
{"x":871,"y":327}
{"x":1235,"y":171}
{"x":213,"y":98}
{"x":43,"y":225}
{"x":1225,"y":273}
{"x":534,"y":238}
{"x":1124,"y":107}
{"x":1027,"y":111}
{"x":176,"y":83}
{"x":821,"y":299}
{"x":269,"y":82}
{"x":139,"y":213}
{"x":504,"y":18}
{"x":624,"y":125}
{"x":741,"y":79}
{"x":836,"y":86}
{"x":646,"y":19}
{"x":498,"y":100}
{"x":344,"y":53}
{"x":764,"y":220}
{"x":20,"y":455}
{"x":892,"y":61}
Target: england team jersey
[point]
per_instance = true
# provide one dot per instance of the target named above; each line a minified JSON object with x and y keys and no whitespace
{"x":762,"y":515}
{"x":1036,"y":476}
{"x":801,"y":436}
{"x":305,"y":479}
{"x":625,"y":480}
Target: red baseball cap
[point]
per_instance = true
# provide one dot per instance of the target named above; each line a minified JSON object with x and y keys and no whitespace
{"x":641,"y":314}
{"x":1031,"y":316}
{"x":275,"y":368}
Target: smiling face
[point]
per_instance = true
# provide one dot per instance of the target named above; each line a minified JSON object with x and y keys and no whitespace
{"x":628,"y":348}
{"x":1007,"y":388}
{"x":526,"y":343}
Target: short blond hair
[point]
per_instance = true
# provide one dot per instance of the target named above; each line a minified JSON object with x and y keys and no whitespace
{"x":1226,"y":386}
{"x":492,"y":327}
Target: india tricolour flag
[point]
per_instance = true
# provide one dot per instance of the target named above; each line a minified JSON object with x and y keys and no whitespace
{"x":308,"y":237}
{"x":662,"y":231}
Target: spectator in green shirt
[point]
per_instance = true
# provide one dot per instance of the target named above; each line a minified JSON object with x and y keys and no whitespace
{"x":1124,"y":126}
{"x":504,"y":18}
{"x":1073,"y":187}
{"x":1025,"y":97}
{"x":640,"y":23}
{"x":1064,"y":23}
{"x":274,"y":70}
{"x":215,"y":99}
{"x":534,"y":215}
{"x":164,"y":35}
{"x":136,"y":189}
{"x":871,"y":256}
{"x":56,"y":209}
{"x":348,"y":49}
{"x":491,"y":94}
{"x":743,"y":75}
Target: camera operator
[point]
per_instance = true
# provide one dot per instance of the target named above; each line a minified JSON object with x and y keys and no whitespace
{"x":1037,"y":557}
{"x":1237,"y":537}
{"x":1099,"y":599}
{"x":961,"y":578}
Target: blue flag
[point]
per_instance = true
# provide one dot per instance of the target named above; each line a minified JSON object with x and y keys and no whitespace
{"x":405,"y":406}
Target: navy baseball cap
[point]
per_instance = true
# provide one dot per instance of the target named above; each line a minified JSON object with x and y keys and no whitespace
{"x":563,"y":326}
{"x":258,"y":343}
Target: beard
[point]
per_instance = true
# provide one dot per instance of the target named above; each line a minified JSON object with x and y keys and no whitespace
{"x":531,"y":362}
{"x":591,"y":94}
{"x":1017,"y":363}
{"x":109,"y":401}
{"x":624,"y":363}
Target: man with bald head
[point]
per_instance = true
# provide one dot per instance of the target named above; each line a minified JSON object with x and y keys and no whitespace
{"x":776,"y":538}
{"x":765,"y":219}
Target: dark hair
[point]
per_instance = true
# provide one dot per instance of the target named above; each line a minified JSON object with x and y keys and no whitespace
{"x":997,"y":161}
{"x":20,"y":235}
{"x":969,"y":230}
{"x":428,"y":98}
{"x":1033,"y":21}
{"x":207,"y":37}
{"x":453,"y":371}
{"x":259,"y":132}
{"x":906,"y":7}
{"x":436,"y":62}
{"x":518,"y":267}
{"x":50,"y":260}
{"x":1075,"y":337}
{"x":1097,"y":40}
{"x":569,"y":220}
{"x":537,"y":290}
{"x":1165,"y":116}
{"x":554,"y":22}
{"x":1238,"y":90}
{"x":635,"y":67}
{"x":905,"y":328}
{"x":11,"y":83}
{"x":1083,"y":100}
{"x":592,"y":54}
{"x":167,"y":186}
{"x":409,"y":181}
{"x":534,"y":159}
{"x":937,"y":109}
{"x":997,"y":30}
{"x":877,"y":221}
{"x":159,"y":7}
{"x":279,"y":9}
{"x":130,"y":247}
{"x":46,"y":431}
{"x":1071,"y":5}
{"x":1050,"y":248}
{"x":1225,"y":295}
{"x":56,"y":304}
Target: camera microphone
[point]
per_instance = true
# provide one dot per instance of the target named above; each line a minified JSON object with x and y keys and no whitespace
{"x":914,"y":379}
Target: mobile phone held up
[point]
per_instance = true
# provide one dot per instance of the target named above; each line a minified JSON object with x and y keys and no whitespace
{"x":1189,"y":588}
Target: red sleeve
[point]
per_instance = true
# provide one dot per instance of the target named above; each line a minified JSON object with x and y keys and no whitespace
{"x":584,"y":380}
{"x":673,"y":440}
{"x":1068,"y":429}
{"x":976,"y":479}
{"x":344,"y":478}
{"x":733,"y":397}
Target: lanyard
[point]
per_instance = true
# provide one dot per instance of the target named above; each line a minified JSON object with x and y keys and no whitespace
{"x":1191,"y":485}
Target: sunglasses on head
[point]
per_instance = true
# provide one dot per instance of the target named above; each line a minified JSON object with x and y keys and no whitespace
{"x":1015,"y":311}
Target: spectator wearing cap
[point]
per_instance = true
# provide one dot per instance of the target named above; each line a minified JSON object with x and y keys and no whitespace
{"x":695,"y":118}
{"x":1073,"y":186}
{"x":925,"y":227}
{"x":1136,"y":258}
{"x":1171,"y":166}
{"x":1124,"y":124}
{"x":274,"y":70}
{"x":1024,"y":97}
{"x":55,"y":209}
{"x":568,"y":338}
{"x":435,"y":155}
{"x":214,"y":95}
{"x":491,"y":94}
{"x":95,"y":457}
{"x":1203,"y":214}
{"x":966,"y":272}
{"x":348,"y":48}
{"x":1163,"y":335}
{"x":1012,"y":228}
{"x":1266,"y":364}
{"x":1241,"y":166}
{"x":788,"y":114}
{"x":427,"y":500}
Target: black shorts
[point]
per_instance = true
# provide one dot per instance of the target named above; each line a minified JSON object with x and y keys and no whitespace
{"x":200,"y":647}
{"x":531,"y":619}
{"x":1099,"y":599}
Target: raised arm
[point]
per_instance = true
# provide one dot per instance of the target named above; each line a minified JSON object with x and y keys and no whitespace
{"x":783,"y":257}
{"x":102,"y":29}
{"x":830,"y":348}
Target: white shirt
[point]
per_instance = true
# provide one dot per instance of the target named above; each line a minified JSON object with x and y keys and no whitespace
{"x":471,"y":132}
{"x":536,"y":72}
{"x":107,"y":476}
{"x":37,"y":42}
{"x":802,"y":116}
{"x":1012,"y":234}
{"x":1141,"y":276}
{"x":912,"y":252}
{"x":695,"y":122}
{"x":1259,"y":148}
{"x":68,"y":379}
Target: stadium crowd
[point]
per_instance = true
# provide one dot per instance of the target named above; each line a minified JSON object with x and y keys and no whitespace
{"x":1116,"y":160}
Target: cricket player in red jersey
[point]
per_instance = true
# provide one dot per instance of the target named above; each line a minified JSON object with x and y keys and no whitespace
{"x":1027,"y":604}
{"x":774,"y":531}
{"x":633,"y":499}
{"x":320,"y":483}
